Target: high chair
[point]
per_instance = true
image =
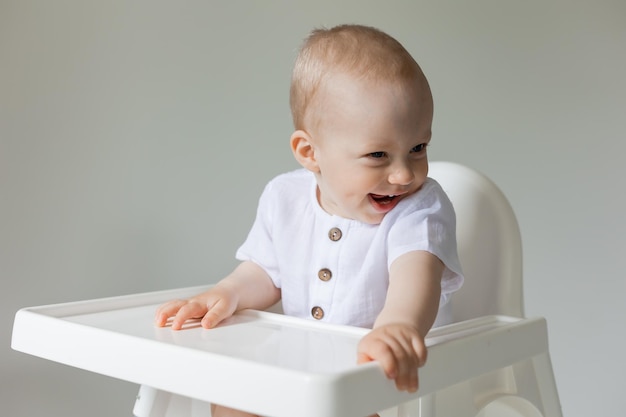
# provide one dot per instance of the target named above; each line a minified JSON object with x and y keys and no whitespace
{"x":492,"y":361}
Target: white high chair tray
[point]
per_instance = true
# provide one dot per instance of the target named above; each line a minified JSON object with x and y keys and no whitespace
{"x":261,"y":362}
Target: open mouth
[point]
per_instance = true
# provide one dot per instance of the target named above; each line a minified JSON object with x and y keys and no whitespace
{"x":383,"y":199}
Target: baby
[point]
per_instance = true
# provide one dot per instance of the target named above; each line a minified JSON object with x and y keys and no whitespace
{"x":361,"y":235}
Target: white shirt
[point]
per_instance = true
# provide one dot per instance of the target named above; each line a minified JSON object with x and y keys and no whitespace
{"x":290,"y":241}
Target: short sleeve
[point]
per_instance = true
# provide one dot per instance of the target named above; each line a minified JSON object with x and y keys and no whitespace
{"x":427,"y":222}
{"x":258,"y":246}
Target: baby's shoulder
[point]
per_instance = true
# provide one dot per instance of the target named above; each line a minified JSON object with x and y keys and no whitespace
{"x":430,"y":194}
{"x":295,"y":178}
{"x":290,"y":182}
{"x":290,"y":185}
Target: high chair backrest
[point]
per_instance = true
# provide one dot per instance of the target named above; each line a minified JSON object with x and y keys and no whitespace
{"x":489,"y":244}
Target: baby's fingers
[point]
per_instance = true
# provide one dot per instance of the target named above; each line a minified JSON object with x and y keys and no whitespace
{"x":219,"y":311}
{"x":363,"y":358}
{"x":407,"y":379}
{"x":166,"y":311}
{"x":191,"y":310}
{"x":420,"y":350}
{"x":381,"y":352}
{"x":398,"y":351}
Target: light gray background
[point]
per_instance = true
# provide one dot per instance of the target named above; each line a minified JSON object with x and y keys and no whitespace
{"x":135,"y":139}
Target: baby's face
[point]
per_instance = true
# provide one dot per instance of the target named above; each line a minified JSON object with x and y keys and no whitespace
{"x":370,"y":146}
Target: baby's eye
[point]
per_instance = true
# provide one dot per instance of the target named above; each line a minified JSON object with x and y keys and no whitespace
{"x":377,"y":155}
{"x":419,"y":148}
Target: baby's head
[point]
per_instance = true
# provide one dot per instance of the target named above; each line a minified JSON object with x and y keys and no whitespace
{"x":360,"y":52}
{"x":362,"y":111}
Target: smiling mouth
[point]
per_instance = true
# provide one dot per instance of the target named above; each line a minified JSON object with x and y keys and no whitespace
{"x":383,"y":199}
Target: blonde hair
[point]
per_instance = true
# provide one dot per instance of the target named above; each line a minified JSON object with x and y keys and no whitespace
{"x":362,"y":51}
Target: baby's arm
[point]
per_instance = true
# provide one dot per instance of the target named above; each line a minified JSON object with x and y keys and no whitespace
{"x":248,"y":286}
{"x":397,"y":339}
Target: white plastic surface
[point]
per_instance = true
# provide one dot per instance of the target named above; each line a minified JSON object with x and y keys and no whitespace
{"x":509,"y":406}
{"x":256,"y":355}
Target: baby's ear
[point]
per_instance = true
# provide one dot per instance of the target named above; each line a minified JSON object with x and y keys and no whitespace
{"x":303,"y":150}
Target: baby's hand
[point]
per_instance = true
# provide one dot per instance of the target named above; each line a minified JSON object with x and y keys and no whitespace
{"x":400,"y":350}
{"x":212,"y":306}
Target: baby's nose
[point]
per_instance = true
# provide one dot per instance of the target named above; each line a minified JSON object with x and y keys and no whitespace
{"x":401,"y":174}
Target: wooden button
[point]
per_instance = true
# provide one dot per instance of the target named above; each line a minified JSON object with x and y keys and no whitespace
{"x":324,"y":274}
{"x":317,"y":313}
{"x":334,"y":234}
